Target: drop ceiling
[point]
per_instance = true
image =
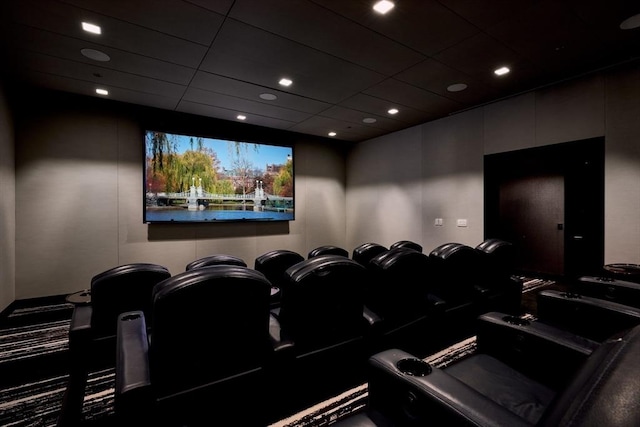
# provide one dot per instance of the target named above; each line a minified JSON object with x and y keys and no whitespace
{"x":348,"y":63}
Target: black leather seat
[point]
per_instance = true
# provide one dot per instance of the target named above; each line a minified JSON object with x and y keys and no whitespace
{"x":520,"y":375}
{"x":208,"y":350}
{"x":216,"y":259}
{"x":364,"y":252}
{"x":406,"y":244}
{"x":92,"y":332}
{"x":328,"y":250}
{"x":607,"y":288}
{"x":273,"y":265}
{"x":322,"y":315}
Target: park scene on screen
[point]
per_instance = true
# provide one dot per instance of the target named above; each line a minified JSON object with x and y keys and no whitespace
{"x":191,"y":178}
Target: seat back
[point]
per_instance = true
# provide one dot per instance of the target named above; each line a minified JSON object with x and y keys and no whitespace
{"x":397,"y":291}
{"x":406,"y":244}
{"x":217,"y":259}
{"x":322,"y":301}
{"x":274,"y":263}
{"x":457,"y":267}
{"x":328,"y":250}
{"x":123,"y":288}
{"x":208,"y":323}
{"x":606,"y":389}
{"x":498,"y":257}
{"x":363,"y":253}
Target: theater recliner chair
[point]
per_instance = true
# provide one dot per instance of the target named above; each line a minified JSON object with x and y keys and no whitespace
{"x":328,"y":250}
{"x":273,"y":265}
{"x":461,"y":278}
{"x":497,"y":260}
{"x":92,"y":332}
{"x":321,"y":314}
{"x":216,"y":259}
{"x":206,"y":355}
{"x":521,"y":375}
{"x":398,"y":293}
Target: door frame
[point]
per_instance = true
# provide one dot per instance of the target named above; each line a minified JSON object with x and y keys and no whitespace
{"x":581,"y":163}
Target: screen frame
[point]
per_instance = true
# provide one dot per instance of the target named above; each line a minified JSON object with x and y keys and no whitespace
{"x":224,"y":139}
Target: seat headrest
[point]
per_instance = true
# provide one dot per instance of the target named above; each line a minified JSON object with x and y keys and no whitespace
{"x":406,"y":244}
{"x":401,"y":259}
{"x":217,"y":259}
{"x":328,"y":250}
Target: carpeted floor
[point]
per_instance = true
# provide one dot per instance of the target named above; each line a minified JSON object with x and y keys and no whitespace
{"x":33,"y":370}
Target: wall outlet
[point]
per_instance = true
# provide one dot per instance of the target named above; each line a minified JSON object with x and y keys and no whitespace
{"x":462,"y":223}
{"x":438,"y":222}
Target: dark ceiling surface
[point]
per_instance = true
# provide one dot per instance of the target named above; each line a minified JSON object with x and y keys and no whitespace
{"x":348,"y":63}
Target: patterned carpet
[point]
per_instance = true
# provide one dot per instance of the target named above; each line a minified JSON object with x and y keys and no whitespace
{"x":33,"y":378}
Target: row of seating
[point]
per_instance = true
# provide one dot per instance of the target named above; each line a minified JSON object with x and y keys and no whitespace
{"x":290,"y":323}
{"x":572,"y":364}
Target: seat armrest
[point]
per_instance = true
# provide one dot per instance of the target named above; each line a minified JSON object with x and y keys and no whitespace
{"x":545,"y":352}
{"x":133,"y":381}
{"x":436,"y":303}
{"x":591,"y":317}
{"x":282,"y":347}
{"x":80,"y":327}
{"x":373,"y":319}
{"x":433,"y":398}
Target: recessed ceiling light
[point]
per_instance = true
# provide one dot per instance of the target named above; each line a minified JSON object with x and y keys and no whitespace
{"x":332,"y":134}
{"x":631,"y":22}
{"x":457,"y":87}
{"x":268,"y":96}
{"x":502,"y":71}
{"x":241,"y":117}
{"x":91,"y":28}
{"x":393,"y":111}
{"x":383,"y":6}
{"x":102,"y":92}
{"x":96,"y":55}
{"x":369,"y":120}
{"x":285,"y":82}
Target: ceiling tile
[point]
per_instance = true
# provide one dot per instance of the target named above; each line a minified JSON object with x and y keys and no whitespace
{"x":61,"y":18}
{"x":56,"y":45}
{"x":308,"y":23}
{"x":80,"y":87}
{"x":172,"y":17}
{"x":227,"y":86}
{"x":424,"y":25}
{"x":102,"y":77}
{"x":372,"y":105}
{"x":226,"y":114}
{"x":347,"y":131}
{"x":240,"y":105}
{"x":256,"y":56}
{"x":402,"y":93}
{"x":437,"y":77}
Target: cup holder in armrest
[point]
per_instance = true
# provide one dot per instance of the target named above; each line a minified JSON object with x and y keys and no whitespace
{"x":128,"y":317}
{"x":515,"y":320}
{"x":414,"y":367}
{"x":571,"y":295}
